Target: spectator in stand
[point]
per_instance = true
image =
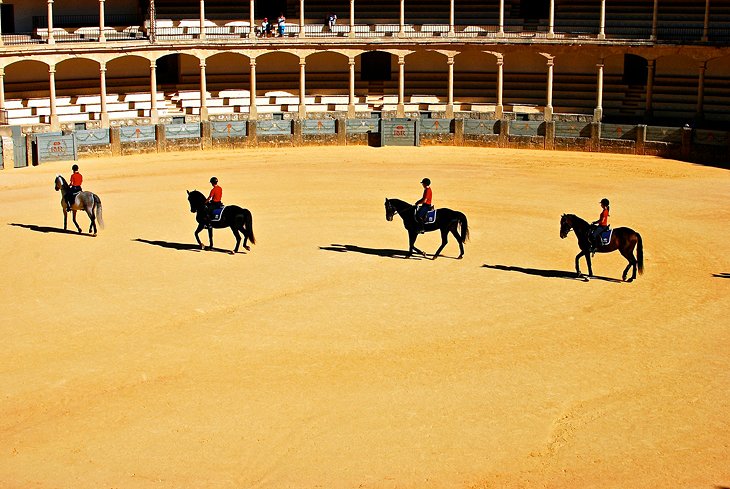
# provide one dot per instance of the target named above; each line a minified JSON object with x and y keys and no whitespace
{"x":265,"y":29}
{"x":331,"y":20}
{"x":281,"y":22}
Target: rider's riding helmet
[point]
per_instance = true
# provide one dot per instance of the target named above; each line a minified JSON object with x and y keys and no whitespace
{"x":426,"y":181}
{"x":75,"y":168}
{"x":213,"y":180}
{"x":604,"y":202}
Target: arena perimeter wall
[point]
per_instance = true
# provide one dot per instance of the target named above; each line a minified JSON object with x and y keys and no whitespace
{"x":685,"y":143}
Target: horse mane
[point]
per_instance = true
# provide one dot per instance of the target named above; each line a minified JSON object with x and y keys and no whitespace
{"x":577,"y":219}
{"x":398,"y":202}
{"x":61,"y":177}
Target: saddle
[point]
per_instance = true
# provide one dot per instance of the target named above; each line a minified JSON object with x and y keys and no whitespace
{"x":604,"y":237}
{"x":216,"y":214}
{"x":430,"y":217}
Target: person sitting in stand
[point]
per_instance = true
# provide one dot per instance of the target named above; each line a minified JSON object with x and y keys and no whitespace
{"x":599,"y":226}
{"x":214,"y":198}
{"x":74,"y":186}
{"x":425,"y":204}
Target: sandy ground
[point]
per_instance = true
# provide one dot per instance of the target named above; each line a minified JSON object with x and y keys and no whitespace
{"x":323,"y":359}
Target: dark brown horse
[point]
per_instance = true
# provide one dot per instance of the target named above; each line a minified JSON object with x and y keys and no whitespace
{"x":623,"y":239}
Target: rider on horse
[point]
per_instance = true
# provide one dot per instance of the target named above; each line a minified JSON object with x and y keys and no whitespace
{"x":214,"y":198}
{"x":74,"y":186}
{"x":425,"y":204}
{"x":599,"y":226}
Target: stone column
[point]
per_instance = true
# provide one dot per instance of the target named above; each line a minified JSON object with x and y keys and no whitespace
{"x":301,"y":19}
{"x":401,"y":109}
{"x":451,"y":18}
{"x":402,"y":31}
{"x":302,"y":88}
{"x":102,"y":36}
{"x":700,"y":112}
{"x":499,"y":110}
{"x":551,"y":29}
{"x":351,"y":100}
{"x":1,"y":34}
{"x":501,"y":18}
{"x":202,"y":19}
{"x":51,"y":39}
{"x":450,"y":89}
{"x":203,"y":93}
{"x":598,"y":112}
{"x":102,"y":82}
{"x":154,"y":116}
{"x":549,"y":106}
{"x":2,"y":89}
{"x":352,"y":18}
{"x":252,"y":19}
{"x":252,"y":111}
{"x":55,"y":124}
{"x":651,"y":65}
{"x":654,"y":20}
{"x":602,"y":24}
{"x":706,"y":29}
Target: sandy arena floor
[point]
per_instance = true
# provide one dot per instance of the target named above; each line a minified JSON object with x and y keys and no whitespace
{"x":323,"y":359}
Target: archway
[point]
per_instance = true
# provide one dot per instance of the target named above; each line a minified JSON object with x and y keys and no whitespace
{"x":674,"y":99}
{"x":575,"y":84}
{"x":525,"y":79}
{"x":716,"y":95}
{"x":426,"y":75}
{"x":475,"y":78}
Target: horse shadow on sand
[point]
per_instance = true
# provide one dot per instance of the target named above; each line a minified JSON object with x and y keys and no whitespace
{"x":384,"y":252}
{"x":550,"y":273}
{"x":48,"y":229}
{"x":181,"y":246}
{"x":721,"y":275}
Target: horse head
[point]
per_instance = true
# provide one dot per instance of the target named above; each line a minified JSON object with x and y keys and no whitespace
{"x":60,"y":182}
{"x":566,"y":224}
{"x":196,"y":200}
{"x":389,"y":210}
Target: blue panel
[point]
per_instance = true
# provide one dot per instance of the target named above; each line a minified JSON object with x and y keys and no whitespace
{"x":92,"y":137}
{"x":180,"y":131}
{"x":399,"y":133}
{"x":435,"y":126}
{"x":664,"y":134}
{"x":565,"y":129}
{"x":230,"y":129}
{"x":133,"y":134}
{"x":273,"y":128}
{"x":527,"y":128}
{"x":618,"y":131}
{"x":710,"y":138}
{"x":362,"y":126}
{"x":55,"y":148}
{"x":478,"y":127}
{"x":319,"y":126}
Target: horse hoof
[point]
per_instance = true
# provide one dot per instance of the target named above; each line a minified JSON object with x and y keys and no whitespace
{"x":231,"y":252}
{"x":248,"y":248}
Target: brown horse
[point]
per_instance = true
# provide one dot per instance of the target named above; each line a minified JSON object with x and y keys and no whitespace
{"x":86,"y":201}
{"x":623,"y":239}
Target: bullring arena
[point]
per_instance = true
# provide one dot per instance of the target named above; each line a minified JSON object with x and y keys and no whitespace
{"x":322,"y":357}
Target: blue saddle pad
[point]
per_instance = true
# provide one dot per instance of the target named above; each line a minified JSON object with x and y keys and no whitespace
{"x":217,"y":213}
{"x":431,"y":216}
{"x":606,"y":236}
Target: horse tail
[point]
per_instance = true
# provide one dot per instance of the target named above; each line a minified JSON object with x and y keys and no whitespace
{"x":464,"y":227}
{"x":97,"y":203}
{"x":640,"y":254}
{"x":248,"y":222}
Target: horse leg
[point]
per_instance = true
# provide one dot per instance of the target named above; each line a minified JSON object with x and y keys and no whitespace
{"x":245,"y":239}
{"x":210,"y":236}
{"x":412,"y":234}
{"x":238,"y":239}
{"x":444,"y":240}
{"x":577,"y":263}
{"x":78,"y":228}
{"x":65,"y":218}
{"x":458,"y":240}
{"x":197,"y":238}
{"x":629,"y":255}
{"x":92,"y":219}
{"x":588,"y":261}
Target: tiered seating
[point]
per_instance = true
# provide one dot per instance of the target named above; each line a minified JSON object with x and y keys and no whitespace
{"x":675,"y":97}
{"x":577,"y":17}
{"x":629,"y":18}
{"x":717,"y":98}
{"x":214,"y":9}
{"x":574,"y":93}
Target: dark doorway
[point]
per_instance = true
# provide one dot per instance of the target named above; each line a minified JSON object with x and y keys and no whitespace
{"x":375,"y":66}
{"x":7,"y":18}
{"x":168,"y":70}
{"x":270,"y":9}
{"x":635,"y":70}
{"x":535,"y":9}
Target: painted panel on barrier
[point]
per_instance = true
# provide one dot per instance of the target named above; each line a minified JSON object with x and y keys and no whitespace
{"x":92,"y":137}
{"x":135,"y":134}
{"x":273,"y":128}
{"x":527,"y":128}
{"x":20,"y":156}
{"x":710,"y":138}
{"x":399,"y":132}
{"x":51,"y":147}
{"x":478,"y":127}
{"x":181,"y":131}
{"x":435,"y":126}
{"x":664,"y":134}
{"x":228,"y":129}
{"x":362,"y":126}
{"x":319,"y":126}
{"x":618,"y":131}
{"x":568,"y":129}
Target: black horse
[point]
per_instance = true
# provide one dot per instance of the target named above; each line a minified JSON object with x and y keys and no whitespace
{"x":623,"y":239}
{"x":446,"y":220}
{"x":234,"y":217}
